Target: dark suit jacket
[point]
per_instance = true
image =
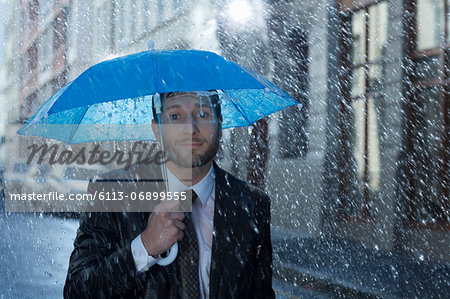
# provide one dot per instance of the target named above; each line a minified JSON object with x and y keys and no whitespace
{"x":102,"y":265}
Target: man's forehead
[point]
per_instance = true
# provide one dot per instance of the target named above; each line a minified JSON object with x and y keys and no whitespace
{"x":197,"y":98}
{"x":182,"y":94}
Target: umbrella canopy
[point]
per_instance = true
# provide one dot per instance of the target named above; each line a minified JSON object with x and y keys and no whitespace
{"x":118,"y":94}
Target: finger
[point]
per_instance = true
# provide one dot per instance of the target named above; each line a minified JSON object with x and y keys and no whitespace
{"x":173,"y":232}
{"x":168,"y":223}
{"x":168,"y":206}
{"x":158,"y":214}
{"x":180,"y":235}
{"x":179,"y":224}
{"x":177,"y":215}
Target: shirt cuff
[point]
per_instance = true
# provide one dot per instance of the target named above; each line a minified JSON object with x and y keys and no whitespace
{"x":142,"y":260}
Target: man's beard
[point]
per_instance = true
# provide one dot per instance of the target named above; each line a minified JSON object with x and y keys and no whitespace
{"x":207,"y":156}
{"x":193,"y":160}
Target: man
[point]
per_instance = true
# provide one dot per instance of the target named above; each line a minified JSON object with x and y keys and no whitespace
{"x":115,"y":254}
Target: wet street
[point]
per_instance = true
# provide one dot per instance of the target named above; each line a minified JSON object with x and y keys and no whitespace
{"x":35,"y":251}
{"x":35,"y":254}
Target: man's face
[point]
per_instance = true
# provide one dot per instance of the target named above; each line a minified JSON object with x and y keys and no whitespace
{"x":191,"y":131}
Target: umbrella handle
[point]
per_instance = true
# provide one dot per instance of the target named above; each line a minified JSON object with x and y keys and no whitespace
{"x":173,"y":251}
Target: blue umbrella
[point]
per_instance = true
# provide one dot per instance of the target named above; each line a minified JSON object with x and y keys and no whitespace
{"x":118,"y":94}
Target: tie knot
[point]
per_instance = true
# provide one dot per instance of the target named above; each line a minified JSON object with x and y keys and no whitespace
{"x":191,"y":196}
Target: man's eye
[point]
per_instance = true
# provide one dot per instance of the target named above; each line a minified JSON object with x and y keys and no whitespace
{"x":173,"y":116}
{"x":202,"y":114}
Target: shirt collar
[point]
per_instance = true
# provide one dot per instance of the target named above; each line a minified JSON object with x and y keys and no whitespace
{"x":203,"y":188}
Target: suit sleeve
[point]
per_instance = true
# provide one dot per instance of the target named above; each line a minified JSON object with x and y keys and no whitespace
{"x":263,"y":277}
{"x":100,"y":265}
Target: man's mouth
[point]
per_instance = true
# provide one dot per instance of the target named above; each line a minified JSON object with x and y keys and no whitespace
{"x":191,"y":144}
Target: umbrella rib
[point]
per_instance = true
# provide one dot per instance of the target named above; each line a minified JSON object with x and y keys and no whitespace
{"x":78,"y":124}
{"x":240,"y":111}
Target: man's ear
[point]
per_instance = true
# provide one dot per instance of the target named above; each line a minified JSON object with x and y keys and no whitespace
{"x":156,"y":130}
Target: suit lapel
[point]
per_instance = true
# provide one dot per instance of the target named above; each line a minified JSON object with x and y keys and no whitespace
{"x":219,"y":206}
{"x":228,"y":205}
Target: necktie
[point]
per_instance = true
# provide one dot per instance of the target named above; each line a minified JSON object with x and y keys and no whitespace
{"x":188,"y":255}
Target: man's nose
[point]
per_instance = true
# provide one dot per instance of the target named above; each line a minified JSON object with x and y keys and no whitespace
{"x":190,"y":124}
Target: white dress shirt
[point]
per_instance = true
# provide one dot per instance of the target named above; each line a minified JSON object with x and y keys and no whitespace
{"x":202,"y":219}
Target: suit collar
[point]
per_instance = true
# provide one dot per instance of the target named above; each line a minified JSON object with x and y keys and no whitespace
{"x":205,"y":186}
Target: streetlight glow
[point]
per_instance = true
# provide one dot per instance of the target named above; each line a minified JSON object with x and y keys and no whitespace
{"x":239,"y":11}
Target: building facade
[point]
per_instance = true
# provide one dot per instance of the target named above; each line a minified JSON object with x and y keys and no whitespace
{"x":372,"y":175}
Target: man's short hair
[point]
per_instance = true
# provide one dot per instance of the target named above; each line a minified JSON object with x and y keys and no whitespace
{"x":213,"y":97}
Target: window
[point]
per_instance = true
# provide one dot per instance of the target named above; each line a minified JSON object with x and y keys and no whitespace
{"x":363,"y":42}
{"x":45,"y":9}
{"x":146,"y":14}
{"x":176,"y":5}
{"x":45,"y":53}
{"x":34,"y":13}
{"x":132,"y":15}
{"x":59,"y":35}
{"x":291,"y":74}
{"x":160,"y":12}
{"x":428,"y":113}
{"x":121,"y":23}
{"x":32,"y":55}
{"x":102,"y":30}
